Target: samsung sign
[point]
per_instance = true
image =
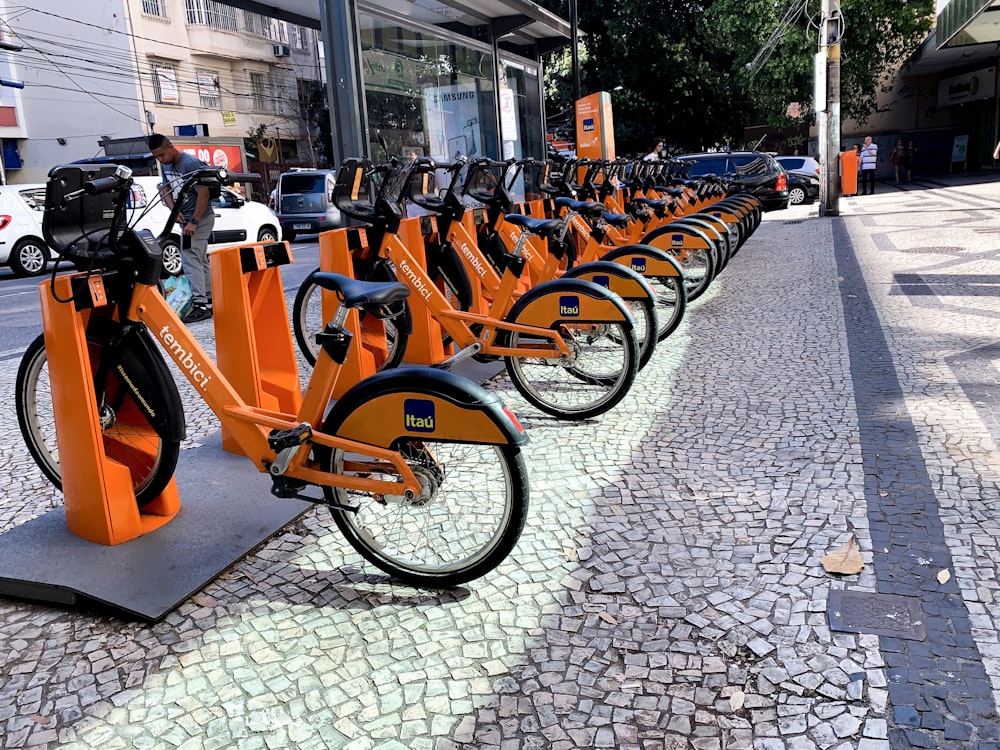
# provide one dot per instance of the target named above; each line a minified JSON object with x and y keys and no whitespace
{"x":980,"y":84}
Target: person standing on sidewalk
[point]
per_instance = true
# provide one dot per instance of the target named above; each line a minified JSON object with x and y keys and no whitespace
{"x":196,"y":219}
{"x":869,"y":160}
{"x":654,"y":151}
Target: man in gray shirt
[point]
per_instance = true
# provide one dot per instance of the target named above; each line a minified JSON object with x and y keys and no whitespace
{"x":196,"y":220}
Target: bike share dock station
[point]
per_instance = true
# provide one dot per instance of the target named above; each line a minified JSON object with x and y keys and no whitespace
{"x":99,"y":549}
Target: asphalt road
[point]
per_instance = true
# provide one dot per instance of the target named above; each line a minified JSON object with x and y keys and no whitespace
{"x":20,"y":311}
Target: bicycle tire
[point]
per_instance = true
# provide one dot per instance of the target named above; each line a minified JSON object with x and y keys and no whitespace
{"x":671,"y":303}
{"x":307,"y":321}
{"x":643,"y":310}
{"x":128,"y":437}
{"x":465,"y":526}
{"x":698,"y":264}
{"x":595,"y":379}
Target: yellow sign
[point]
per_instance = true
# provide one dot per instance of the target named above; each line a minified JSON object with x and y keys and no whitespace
{"x":228,"y":118}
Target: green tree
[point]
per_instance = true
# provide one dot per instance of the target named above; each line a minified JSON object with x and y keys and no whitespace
{"x":682,"y":64}
{"x":675,"y":79}
{"x":778,"y":40}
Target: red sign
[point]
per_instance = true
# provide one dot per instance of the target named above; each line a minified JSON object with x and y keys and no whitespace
{"x":230,"y":157}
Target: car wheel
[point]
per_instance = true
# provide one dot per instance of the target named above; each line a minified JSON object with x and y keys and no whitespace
{"x":267,"y":234}
{"x":172,"y":257}
{"x":289,"y":235}
{"x":29,"y":257}
{"x":796,"y":196}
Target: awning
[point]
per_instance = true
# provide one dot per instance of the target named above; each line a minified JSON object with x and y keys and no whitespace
{"x":966,"y":22}
{"x":516,"y":22}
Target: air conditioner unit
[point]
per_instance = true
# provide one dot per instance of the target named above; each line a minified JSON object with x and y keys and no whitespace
{"x":281,"y":50}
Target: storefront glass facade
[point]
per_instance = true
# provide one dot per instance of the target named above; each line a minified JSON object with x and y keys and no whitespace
{"x":435,"y":96}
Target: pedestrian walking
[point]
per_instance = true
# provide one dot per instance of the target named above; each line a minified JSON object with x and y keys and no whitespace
{"x":899,"y":159}
{"x":910,"y":162}
{"x":654,"y":151}
{"x":196,"y":219}
{"x":869,"y":160}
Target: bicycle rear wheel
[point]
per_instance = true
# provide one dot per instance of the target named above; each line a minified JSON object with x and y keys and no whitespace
{"x":464,"y":523}
{"x":597,"y":375}
{"x":128,"y":436}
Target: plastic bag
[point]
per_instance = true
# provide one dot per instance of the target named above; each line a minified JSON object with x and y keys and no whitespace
{"x":177,"y":291}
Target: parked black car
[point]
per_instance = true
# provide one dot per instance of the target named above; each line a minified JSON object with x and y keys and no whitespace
{"x":802,"y":188}
{"x":758,"y":171}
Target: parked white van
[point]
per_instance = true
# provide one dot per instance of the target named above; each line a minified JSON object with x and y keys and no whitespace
{"x":304,"y":202}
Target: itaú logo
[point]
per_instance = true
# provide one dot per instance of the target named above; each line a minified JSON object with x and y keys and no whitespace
{"x":418,"y":415}
{"x":184,"y":358}
{"x":638,"y":264}
{"x":569,"y":305}
{"x":677,"y":240}
{"x":473,"y":260}
{"x":414,"y":279}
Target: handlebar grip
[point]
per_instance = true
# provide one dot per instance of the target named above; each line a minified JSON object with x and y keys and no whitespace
{"x":101,"y":185}
{"x":252,"y":177}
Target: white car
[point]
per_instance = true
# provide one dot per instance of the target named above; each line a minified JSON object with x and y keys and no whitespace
{"x":237,"y":220}
{"x":22,"y":246}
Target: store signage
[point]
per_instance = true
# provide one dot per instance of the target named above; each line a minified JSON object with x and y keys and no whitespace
{"x":451,"y":121}
{"x":970,"y":87}
{"x":216,"y":156}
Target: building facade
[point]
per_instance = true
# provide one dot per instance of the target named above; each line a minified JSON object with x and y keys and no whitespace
{"x":112,"y":71}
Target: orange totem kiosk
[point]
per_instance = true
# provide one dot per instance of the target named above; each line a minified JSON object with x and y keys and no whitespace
{"x":849,"y":172}
{"x":595,"y":130}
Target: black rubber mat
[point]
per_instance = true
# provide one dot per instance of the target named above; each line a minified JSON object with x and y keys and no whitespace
{"x":226,"y":511}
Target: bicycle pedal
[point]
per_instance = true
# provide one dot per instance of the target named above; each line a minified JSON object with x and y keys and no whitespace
{"x":288,"y":489}
{"x":279,"y":440}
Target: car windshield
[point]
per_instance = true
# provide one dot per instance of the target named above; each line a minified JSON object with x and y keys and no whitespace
{"x":709,"y":165}
{"x":792,"y":163}
{"x":303,"y":183}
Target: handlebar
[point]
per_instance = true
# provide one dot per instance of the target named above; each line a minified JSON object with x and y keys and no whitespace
{"x":85,"y":220}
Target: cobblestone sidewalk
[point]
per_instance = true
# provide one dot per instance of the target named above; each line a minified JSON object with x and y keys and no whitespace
{"x":837,"y":380}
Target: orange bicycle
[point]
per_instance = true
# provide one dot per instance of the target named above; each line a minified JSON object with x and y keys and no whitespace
{"x":421,"y":470}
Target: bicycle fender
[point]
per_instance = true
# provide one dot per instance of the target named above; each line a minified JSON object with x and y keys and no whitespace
{"x":677,"y":236}
{"x":422,"y":403}
{"x":569,"y":301}
{"x":645,"y":261}
{"x":621,"y":280}
{"x":142,"y":371}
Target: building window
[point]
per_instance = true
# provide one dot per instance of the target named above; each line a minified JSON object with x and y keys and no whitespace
{"x":211,"y":13}
{"x":294,"y":37}
{"x":165,"y":84}
{"x":262,"y":26}
{"x":208,"y":88}
{"x":258,"y":92}
{"x":154,"y":8}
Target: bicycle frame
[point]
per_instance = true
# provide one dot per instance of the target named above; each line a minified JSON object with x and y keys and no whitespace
{"x":457,"y":323}
{"x":249,"y":425}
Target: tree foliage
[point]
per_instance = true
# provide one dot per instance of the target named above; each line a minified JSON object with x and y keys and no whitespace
{"x":682,"y":64}
{"x":878,"y":35}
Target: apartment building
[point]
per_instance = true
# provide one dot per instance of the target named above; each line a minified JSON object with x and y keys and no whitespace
{"x":109,"y":72}
{"x":207,"y":66}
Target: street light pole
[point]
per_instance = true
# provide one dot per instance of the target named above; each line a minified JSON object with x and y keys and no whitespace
{"x":828,"y":94}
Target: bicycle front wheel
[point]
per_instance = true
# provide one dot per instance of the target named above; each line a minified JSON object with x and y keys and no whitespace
{"x":602,"y":366}
{"x":382,"y":337}
{"x":128,"y":437}
{"x":671,"y":302}
{"x":465,"y":522}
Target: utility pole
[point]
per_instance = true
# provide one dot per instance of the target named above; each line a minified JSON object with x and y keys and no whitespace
{"x":828,"y":106}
